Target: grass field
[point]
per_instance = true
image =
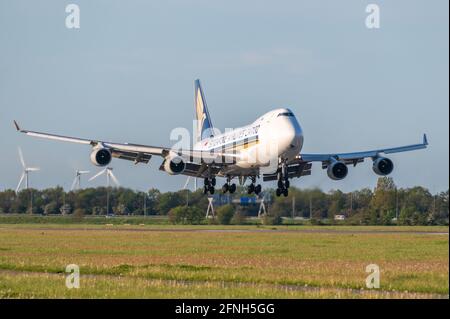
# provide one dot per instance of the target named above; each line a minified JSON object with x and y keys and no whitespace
{"x":163,"y":261}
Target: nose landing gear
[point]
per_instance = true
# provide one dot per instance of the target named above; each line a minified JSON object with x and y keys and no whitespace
{"x":283,"y":191}
{"x":283,"y":181}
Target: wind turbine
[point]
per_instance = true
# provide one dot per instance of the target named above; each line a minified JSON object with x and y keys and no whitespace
{"x":187,"y":183}
{"x":25,"y":172}
{"x":109,"y":176}
{"x":77,"y":181}
{"x":185,"y":187}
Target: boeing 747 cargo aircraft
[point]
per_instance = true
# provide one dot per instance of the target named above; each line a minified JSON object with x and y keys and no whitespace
{"x":270,"y":149}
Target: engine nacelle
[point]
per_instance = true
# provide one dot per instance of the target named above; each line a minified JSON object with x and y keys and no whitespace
{"x":337,"y":170}
{"x":101,"y":156}
{"x":174,"y":165}
{"x":382,"y":166}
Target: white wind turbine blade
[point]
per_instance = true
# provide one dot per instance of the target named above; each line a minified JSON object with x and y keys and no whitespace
{"x":115,"y":180}
{"x":74,"y":183}
{"x":83,"y":172}
{"x":20,"y":181}
{"x":187,"y":182}
{"x":33,"y":169}
{"x":21,"y":158}
{"x":97,"y":175}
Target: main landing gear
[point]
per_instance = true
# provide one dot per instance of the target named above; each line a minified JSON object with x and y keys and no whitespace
{"x":282,"y":188}
{"x":283,"y":181}
{"x":252,"y":188}
{"x":209,"y":184}
{"x":227,"y":187}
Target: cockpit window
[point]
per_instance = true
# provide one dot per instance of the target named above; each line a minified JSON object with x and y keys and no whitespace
{"x":286,"y":114}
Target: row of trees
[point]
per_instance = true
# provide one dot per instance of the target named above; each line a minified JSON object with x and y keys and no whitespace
{"x":386,"y":204}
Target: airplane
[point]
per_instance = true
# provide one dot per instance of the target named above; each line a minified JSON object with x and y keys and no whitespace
{"x":236,"y":154}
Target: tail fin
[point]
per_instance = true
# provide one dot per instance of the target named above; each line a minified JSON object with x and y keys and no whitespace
{"x":204,"y":124}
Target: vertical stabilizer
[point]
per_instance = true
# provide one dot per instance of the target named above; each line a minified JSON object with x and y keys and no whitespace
{"x":204,"y":124}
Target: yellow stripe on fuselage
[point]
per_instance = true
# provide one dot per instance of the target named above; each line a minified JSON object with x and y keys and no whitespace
{"x":233,"y":148}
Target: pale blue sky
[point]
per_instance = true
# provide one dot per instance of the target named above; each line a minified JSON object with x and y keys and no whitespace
{"x":127,"y":75}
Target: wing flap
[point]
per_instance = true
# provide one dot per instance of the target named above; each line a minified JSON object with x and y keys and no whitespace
{"x":297,"y":169}
{"x":196,"y":170}
{"x":132,"y":156}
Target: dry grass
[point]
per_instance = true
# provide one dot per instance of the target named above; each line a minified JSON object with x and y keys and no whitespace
{"x":176,"y":264}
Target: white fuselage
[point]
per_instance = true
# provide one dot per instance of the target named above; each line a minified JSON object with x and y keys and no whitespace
{"x":277,"y":131}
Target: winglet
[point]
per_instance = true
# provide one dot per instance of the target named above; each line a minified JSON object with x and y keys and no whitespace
{"x":425,"y":139}
{"x":17,"y":126}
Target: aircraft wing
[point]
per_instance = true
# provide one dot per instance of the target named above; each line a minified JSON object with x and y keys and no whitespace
{"x":136,"y":152}
{"x":357,"y":157}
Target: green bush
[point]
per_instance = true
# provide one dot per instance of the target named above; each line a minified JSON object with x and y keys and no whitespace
{"x":225,"y":214}
{"x":273,"y":218}
{"x":194,"y":215}
{"x":78,"y":214}
{"x":185,"y":215}
{"x":238,"y":218}
{"x":176,"y":215}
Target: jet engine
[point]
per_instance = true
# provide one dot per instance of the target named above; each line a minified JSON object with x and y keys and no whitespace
{"x":337,"y":170}
{"x":174,"y":165}
{"x":101,"y":156}
{"x":382,"y":166}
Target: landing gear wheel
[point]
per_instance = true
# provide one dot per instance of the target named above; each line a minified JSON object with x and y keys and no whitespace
{"x":251,"y":188}
{"x":205,"y":190}
{"x":232,"y":188}
{"x":286,"y":183}
{"x":280,"y":184}
{"x":285,"y":192}
{"x":278,"y":192}
{"x":213,"y":181}
{"x":258,"y":189}
{"x":211,"y":190}
{"x":225,"y":188}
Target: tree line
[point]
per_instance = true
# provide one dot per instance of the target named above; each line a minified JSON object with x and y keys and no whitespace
{"x":384,"y":205}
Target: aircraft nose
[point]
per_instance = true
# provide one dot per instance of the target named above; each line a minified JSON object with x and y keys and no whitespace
{"x":295,"y":138}
{"x":290,"y":135}
{"x":287,"y":134}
